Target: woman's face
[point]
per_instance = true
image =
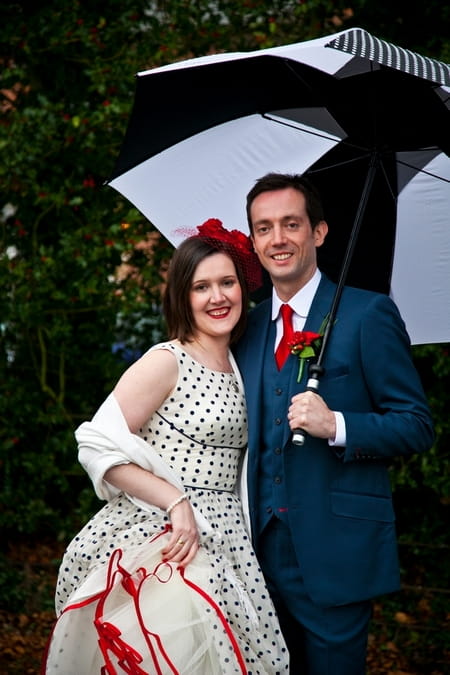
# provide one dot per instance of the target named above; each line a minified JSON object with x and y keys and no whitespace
{"x":215,"y":296}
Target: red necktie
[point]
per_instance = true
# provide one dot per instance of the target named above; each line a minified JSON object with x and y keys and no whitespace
{"x":283,"y":350}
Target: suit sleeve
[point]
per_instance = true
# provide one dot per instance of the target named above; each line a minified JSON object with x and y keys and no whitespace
{"x":399,"y":422}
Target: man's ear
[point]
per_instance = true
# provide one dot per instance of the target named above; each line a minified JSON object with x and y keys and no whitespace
{"x":320,"y":232}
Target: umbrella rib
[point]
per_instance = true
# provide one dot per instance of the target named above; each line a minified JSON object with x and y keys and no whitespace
{"x":309,"y":130}
{"x":303,"y":129}
{"x":388,"y":182}
{"x":340,"y":163}
{"x":424,"y":171}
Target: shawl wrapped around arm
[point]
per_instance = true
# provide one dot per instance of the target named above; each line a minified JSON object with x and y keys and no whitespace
{"x":106,"y":441}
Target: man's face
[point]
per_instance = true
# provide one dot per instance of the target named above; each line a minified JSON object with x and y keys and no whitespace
{"x":284,"y":240}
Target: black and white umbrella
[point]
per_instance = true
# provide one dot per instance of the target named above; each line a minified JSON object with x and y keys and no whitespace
{"x":367,"y":120}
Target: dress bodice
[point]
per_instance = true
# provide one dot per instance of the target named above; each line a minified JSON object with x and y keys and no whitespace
{"x":201,"y":428}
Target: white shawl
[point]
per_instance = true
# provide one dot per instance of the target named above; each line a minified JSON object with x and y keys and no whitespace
{"x":106,"y":441}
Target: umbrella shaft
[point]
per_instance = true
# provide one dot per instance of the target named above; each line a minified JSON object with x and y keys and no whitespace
{"x":349,"y":252}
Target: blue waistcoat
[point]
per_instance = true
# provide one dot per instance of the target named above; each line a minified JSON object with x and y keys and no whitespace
{"x":275,"y":400}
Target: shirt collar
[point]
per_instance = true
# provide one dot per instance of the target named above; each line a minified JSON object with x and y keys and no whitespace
{"x":301,"y":301}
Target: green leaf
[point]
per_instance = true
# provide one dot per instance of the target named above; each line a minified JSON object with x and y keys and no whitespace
{"x":307,"y":353}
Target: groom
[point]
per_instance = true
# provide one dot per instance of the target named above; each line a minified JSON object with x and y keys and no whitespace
{"x":322,"y":518}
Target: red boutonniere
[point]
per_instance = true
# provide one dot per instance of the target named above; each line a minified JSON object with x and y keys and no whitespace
{"x":305,"y":345}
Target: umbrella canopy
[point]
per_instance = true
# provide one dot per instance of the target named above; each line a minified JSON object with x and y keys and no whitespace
{"x":340,"y":108}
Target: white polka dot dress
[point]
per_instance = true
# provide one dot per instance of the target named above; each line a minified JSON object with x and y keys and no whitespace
{"x":221,"y":620}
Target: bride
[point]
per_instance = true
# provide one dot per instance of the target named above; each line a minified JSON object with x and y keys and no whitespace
{"x":164,"y":579}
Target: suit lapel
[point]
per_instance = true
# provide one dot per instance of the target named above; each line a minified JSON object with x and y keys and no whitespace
{"x":320,"y":305}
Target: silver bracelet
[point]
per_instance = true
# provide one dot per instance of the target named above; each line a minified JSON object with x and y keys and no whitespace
{"x":175,"y":503}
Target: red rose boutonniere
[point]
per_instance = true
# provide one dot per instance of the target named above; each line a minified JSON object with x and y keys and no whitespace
{"x":305,"y":345}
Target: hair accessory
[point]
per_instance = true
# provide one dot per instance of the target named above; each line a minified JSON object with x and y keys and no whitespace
{"x":234,"y":242}
{"x":175,"y":503}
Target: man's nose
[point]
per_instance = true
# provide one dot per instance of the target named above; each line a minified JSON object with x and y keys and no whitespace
{"x":278,"y":235}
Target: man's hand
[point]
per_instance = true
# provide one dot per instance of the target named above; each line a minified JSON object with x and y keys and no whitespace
{"x":308,"y":411}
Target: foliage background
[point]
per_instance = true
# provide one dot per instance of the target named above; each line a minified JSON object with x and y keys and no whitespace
{"x":66,"y":90}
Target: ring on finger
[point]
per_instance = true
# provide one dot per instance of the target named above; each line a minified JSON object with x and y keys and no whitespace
{"x":180,"y":542}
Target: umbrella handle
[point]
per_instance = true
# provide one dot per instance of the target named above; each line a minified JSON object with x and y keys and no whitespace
{"x":316,"y":371}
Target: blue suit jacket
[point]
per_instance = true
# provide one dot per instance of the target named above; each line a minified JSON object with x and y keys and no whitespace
{"x":339,"y":499}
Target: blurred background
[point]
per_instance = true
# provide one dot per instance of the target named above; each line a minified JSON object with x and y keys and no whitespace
{"x":81,"y":273}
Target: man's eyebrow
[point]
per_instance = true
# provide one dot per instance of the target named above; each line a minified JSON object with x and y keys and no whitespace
{"x":264,"y":221}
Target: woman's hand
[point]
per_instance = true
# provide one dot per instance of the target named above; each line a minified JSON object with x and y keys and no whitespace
{"x":138,"y":482}
{"x":184,"y":540}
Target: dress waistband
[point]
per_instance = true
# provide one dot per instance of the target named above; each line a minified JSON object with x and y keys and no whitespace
{"x":207,"y":488}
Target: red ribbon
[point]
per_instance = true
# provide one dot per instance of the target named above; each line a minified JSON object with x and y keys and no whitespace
{"x":110,"y":642}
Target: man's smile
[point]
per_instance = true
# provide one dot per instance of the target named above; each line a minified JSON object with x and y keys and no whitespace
{"x":281,"y":256}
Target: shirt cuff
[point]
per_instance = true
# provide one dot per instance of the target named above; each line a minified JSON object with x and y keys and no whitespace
{"x":341,"y":434}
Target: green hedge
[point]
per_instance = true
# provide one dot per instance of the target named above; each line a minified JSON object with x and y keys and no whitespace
{"x":67,"y":85}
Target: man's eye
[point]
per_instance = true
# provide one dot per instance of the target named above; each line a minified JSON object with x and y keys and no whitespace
{"x":292,"y":226}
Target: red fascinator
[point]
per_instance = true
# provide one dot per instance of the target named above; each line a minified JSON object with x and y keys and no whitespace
{"x":237,"y":244}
